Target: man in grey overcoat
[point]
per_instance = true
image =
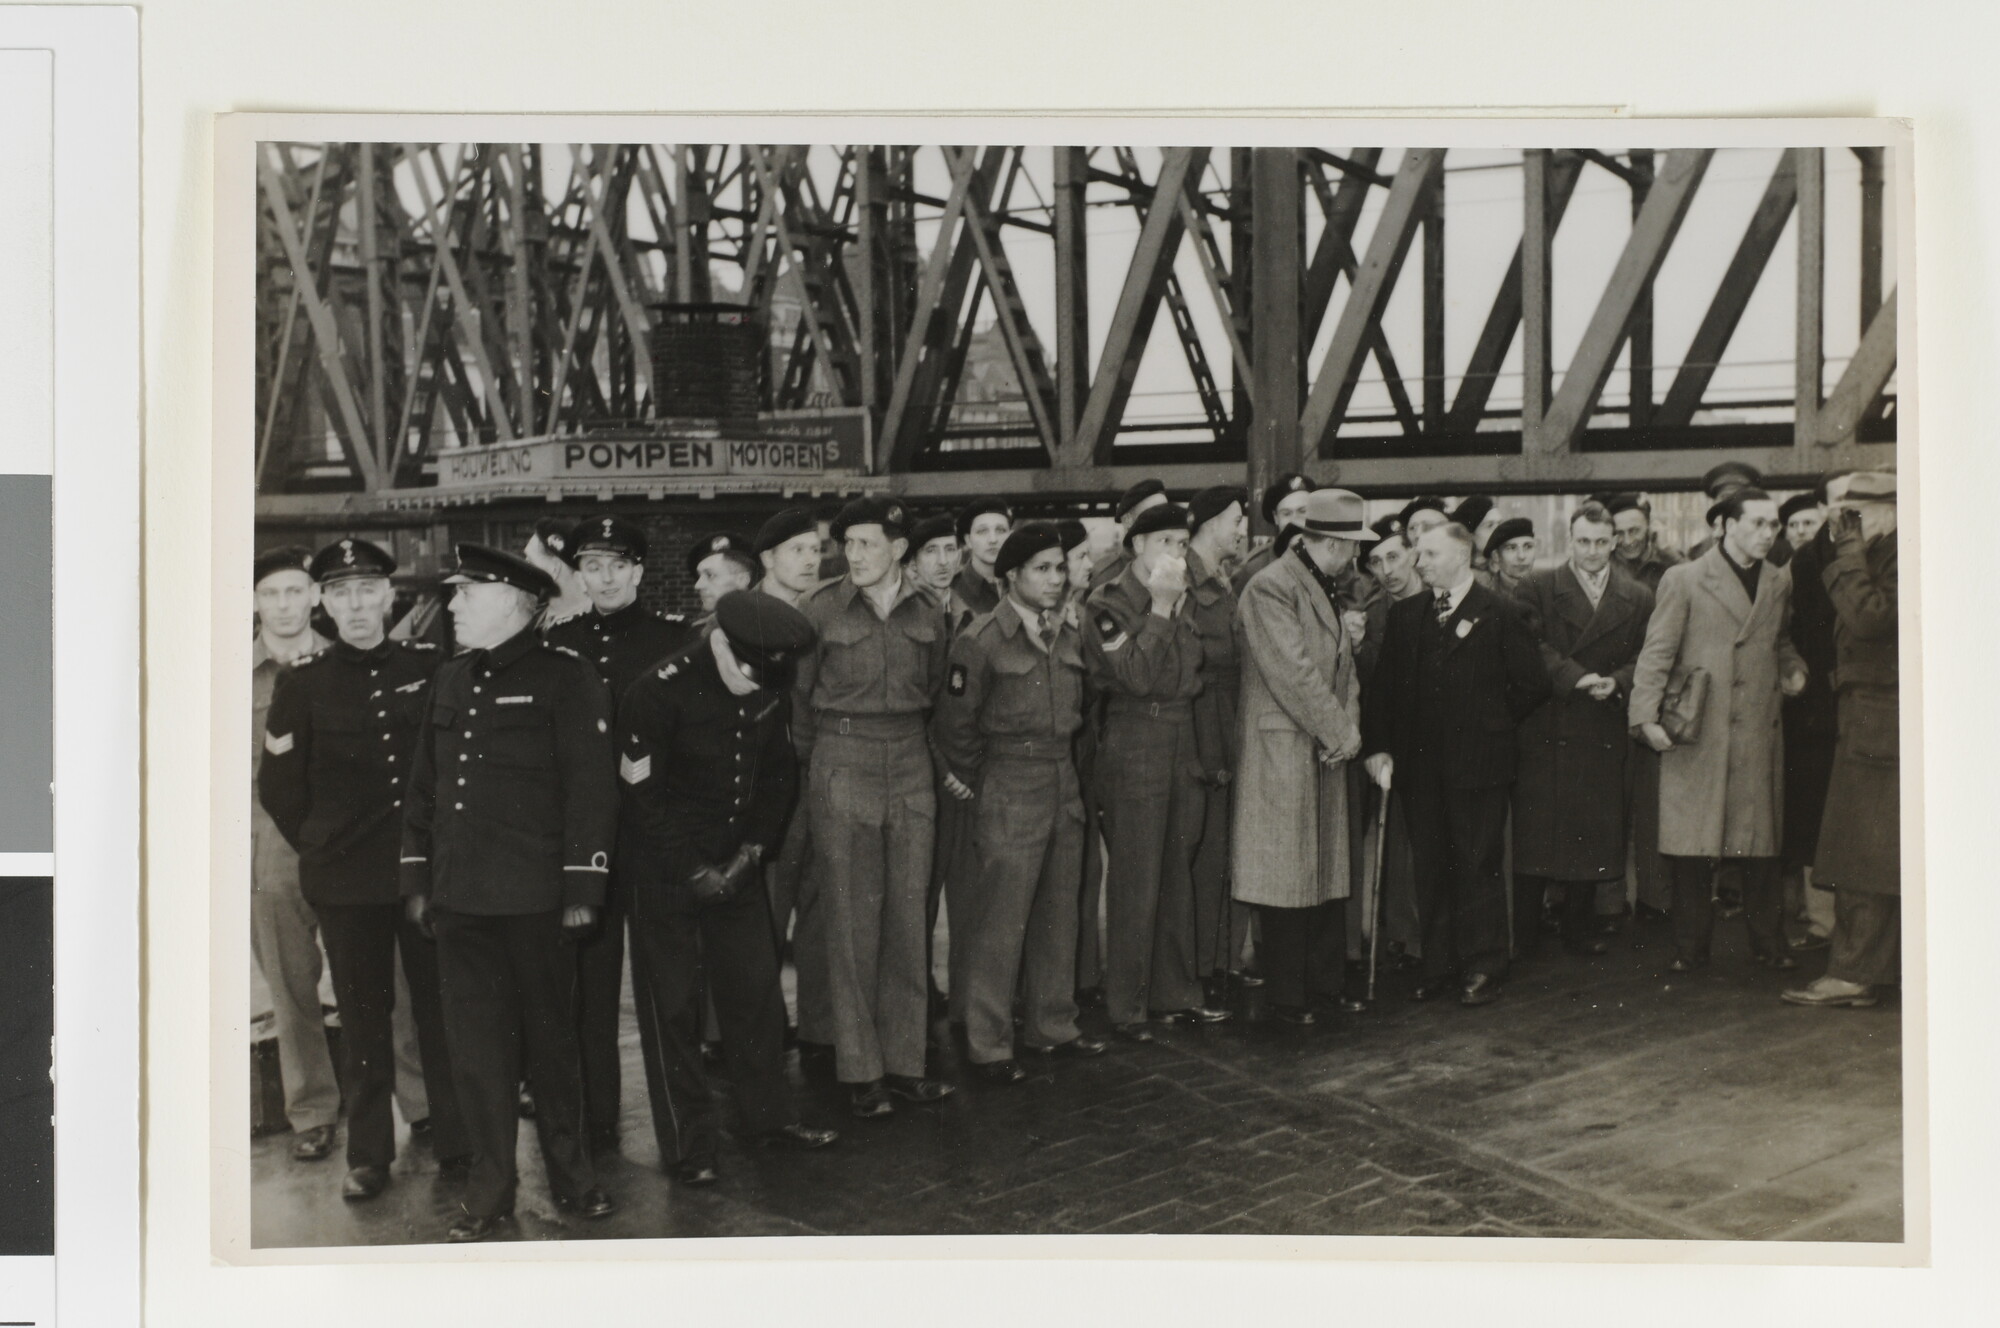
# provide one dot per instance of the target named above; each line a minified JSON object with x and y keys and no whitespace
{"x":1722,"y":790}
{"x":1301,"y":725}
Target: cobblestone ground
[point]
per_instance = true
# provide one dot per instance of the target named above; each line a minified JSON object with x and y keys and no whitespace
{"x":1595,"y":1099}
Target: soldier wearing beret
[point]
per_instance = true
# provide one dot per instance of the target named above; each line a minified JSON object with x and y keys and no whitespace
{"x":720,"y":564}
{"x":709,"y":782}
{"x":507,"y":835}
{"x":623,"y":639}
{"x":337,"y":747}
{"x":859,"y":709}
{"x":1510,"y":554}
{"x":789,"y":547}
{"x":1216,"y":518}
{"x":1144,"y":651}
{"x":934,"y":556}
{"x":1013,"y":701}
{"x":1639,"y":549}
{"x":282,"y":926}
{"x":1283,"y":500}
{"x":982,"y":526}
{"x":1140,"y":498}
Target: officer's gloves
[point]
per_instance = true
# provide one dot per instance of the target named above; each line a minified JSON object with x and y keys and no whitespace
{"x":711,"y":884}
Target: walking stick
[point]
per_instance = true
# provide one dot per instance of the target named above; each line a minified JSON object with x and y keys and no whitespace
{"x":1375,"y":901}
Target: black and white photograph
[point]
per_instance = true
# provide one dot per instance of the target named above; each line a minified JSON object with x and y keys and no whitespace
{"x":1194,"y":680}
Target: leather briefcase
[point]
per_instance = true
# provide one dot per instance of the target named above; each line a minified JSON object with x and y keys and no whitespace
{"x":1680,"y":710}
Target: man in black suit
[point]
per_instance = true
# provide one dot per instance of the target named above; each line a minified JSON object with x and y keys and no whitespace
{"x":1459,"y":670}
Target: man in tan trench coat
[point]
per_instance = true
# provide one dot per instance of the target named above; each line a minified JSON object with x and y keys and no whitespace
{"x":1722,"y":790}
{"x":1301,"y":717}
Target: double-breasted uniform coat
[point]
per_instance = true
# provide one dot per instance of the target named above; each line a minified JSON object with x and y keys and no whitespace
{"x":1569,"y":792}
{"x":1721,"y":795}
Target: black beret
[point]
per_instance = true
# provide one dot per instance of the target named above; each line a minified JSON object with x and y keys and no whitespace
{"x":1137,"y":494}
{"x":1211,"y":503}
{"x":943,"y":526}
{"x":764,"y":632}
{"x":553,"y":532}
{"x":1024,"y":543}
{"x":344,"y":560}
{"x":1513,"y":528}
{"x":1472,"y":511}
{"x":1167,"y":516}
{"x":1615,"y":503}
{"x":1795,"y":504}
{"x":290,"y":558}
{"x":479,"y":564}
{"x":606,"y":534}
{"x":1730,"y":475}
{"x":786,"y":525}
{"x":1286,"y":484}
{"x":735,"y":546}
{"x":888,"y":513}
{"x":1074,"y":533}
{"x":1416,"y":505}
{"x":978,"y":508}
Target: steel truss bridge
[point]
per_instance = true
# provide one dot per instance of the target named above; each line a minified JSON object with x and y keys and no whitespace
{"x":419,"y":297}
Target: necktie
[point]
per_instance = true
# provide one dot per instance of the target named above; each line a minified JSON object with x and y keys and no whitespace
{"x":1444,"y":607}
{"x":1045,"y":623}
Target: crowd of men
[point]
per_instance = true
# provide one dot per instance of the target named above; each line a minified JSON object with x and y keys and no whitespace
{"x":1132,"y":779}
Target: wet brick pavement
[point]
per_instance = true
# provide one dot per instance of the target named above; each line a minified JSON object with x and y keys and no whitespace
{"x":1597,"y":1098}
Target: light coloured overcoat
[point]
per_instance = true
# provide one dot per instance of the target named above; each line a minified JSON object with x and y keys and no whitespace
{"x":1723,"y":795}
{"x":1300,"y":696}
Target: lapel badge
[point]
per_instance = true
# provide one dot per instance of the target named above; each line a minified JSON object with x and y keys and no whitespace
{"x":1465,"y":626}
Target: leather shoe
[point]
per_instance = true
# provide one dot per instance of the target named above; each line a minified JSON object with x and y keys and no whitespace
{"x":797,"y":1138}
{"x":1429,"y":989}
{"x":593,"y":1204}
{"x":1077,"y":1048}
{"x":1350,"y":1005}
{"x":1193,"y":1015}
{"x":1479,"y":989}
{"x":696,"y":1171}
{"x":1000,"y":1072}
{"x":1782,"y":962}
{"x":469,"y":1228}
{"x":1133,"y":1032}
{"x":314,"y":1145}
{"x":364,"y":1183}
{"x":1244,"y":977}
{"x":1829,"y":993}
{"x":916,"y":1088}
{"x":870,"y":1101}
{"x":1295,"y":1015}
{"x":1584,"y":948}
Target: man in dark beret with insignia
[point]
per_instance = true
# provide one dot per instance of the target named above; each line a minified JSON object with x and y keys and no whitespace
{"x":1140,"y":498}
{"x":1283,"y":501}
{"x":283,"y":938}
{"x":788,"y":547}
{"x":934,"y":556}
{"x":622,"y":639}
{"x":859,"y":709}
{"x":1013,"y":701}
{"x":722,"y":563}
{"x":1510,"y":554}
{"x":709,"y":781}
{"x":508,"y":821}
{"x":1144,"y":650}
{"x":337,"y":746}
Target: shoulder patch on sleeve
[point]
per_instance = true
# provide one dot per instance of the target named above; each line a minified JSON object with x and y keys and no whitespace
{"x":1109,"y":634}
{"x":957,"y":683}
{"x":278,"y":744}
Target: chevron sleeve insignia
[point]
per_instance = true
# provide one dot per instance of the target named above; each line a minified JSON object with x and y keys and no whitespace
{"x":278,"y":744}
{"x":635,"y":772}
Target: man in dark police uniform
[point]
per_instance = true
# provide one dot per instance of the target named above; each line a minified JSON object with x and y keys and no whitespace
{"x":336,"y":749}
{"x":622,"y":639}
{"x":710,"y":780}
{"x":507,"y":830}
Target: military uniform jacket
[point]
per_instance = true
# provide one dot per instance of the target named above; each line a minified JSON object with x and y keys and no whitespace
{"x":1216,"y":730}
{"x":866,"y":664}
{"x":1004,"y":688}
{"x":703,"y":771}
{"x":337,"y":746}
{"x":273,"y":862}
{"x":513,"y":794}
{"x":1133,"y":653}
{"x":623,"y":644}
{"x":971,"y":596}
